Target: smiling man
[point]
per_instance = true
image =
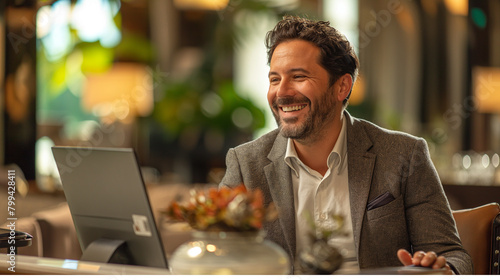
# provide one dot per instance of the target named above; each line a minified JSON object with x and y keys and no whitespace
{"x":321,"y":161}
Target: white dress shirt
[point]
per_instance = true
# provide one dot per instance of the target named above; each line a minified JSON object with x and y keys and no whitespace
{"x":318,"y":197}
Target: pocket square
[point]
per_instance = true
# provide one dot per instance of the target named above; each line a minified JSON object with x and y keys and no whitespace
{"x":380,"y":200}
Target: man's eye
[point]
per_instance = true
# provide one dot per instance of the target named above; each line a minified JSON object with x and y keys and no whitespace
{"x":272,"y":80}
{"x":299,"y":76}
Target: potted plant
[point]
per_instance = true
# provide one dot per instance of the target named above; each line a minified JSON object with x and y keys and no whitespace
{"x":228,"y":236}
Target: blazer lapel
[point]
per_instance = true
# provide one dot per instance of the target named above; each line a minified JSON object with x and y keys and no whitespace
{"x":279,"y":180}
{"x":361,"y":163}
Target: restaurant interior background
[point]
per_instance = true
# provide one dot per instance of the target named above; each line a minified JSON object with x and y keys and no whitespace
{"x":181,"y":81}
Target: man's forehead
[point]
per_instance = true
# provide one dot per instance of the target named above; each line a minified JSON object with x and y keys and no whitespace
{"x":295,"y":54}
{"x":295,"y":47}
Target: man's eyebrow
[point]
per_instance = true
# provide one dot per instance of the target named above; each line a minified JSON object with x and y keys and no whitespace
{"x":290,"y":71}
{"x":272,"y":73}
{"x":298,"y":70}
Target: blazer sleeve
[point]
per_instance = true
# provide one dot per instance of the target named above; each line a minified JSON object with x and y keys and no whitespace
{"x":430,"y":222}
{"x":233,"y":175}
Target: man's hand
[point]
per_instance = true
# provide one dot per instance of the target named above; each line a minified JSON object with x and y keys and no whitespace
{"x":420,"y":258}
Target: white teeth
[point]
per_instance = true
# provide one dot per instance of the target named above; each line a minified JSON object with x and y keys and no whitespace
{"x":293,"y":108}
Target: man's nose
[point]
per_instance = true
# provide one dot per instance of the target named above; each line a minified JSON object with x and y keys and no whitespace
{"x":284,"y":89}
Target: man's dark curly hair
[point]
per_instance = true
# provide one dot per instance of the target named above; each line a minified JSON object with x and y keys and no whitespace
{"x":337,"y":55}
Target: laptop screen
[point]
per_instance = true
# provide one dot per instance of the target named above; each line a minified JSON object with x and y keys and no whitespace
{"x":109,"y":205}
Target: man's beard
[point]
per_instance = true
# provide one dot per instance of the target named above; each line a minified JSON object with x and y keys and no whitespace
{"x":312,"y":127}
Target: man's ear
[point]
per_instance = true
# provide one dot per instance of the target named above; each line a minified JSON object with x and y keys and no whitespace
{"x":344,"y":86}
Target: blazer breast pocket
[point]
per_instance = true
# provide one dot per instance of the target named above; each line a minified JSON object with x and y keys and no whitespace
{"x":380,"y":200}
{"x":393,"y":207}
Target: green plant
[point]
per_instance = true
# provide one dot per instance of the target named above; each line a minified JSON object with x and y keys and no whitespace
{"x":184,"y":107}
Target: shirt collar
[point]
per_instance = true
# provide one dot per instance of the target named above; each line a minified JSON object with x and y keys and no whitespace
{"x":340,"y":149}
{"x":291,"y":153}
{"x":339,"y":152}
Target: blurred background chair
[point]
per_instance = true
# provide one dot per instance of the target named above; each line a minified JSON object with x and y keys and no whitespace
{"x":476,"y":228}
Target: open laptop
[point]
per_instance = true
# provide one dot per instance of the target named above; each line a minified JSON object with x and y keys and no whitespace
{"x":109,"y":205}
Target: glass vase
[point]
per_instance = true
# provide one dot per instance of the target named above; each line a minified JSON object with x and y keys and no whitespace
{"x":229,"y":253}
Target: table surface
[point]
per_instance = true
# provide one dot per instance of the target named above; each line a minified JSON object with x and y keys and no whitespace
{"x":39,"y":265}
{"x":42,"y":266}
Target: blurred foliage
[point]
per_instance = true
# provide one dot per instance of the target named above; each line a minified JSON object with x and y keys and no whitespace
{"x":183,"y":104}
{"x":60,"y":78}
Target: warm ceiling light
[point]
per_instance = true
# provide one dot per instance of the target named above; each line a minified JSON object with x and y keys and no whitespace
{"x":457,"y":7}
{"x":201,"y":4}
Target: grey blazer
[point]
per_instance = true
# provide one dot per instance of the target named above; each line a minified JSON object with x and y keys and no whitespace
{"x":379,"y":162}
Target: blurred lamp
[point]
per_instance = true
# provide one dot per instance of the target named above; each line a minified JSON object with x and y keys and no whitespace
{"x":486,"y":89}
{"x":201,"y":4}
{"x":358,"y":91}
{"x":457,"y":7}
{"x":121,"y":94}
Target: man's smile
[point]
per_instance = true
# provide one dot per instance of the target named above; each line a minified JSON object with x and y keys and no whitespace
{"x":293,"y":108}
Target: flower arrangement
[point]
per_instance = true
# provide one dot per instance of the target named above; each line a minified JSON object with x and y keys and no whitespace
{"x":223,"y":209}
